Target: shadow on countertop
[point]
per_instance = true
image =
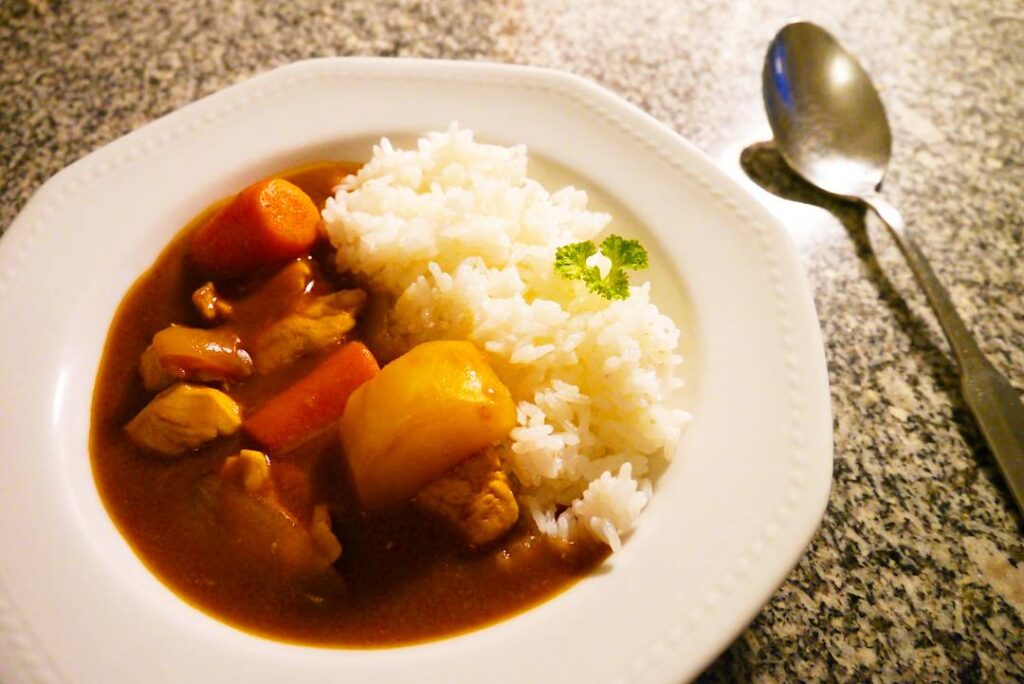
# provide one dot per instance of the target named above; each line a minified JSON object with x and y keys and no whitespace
{"x":764,"y":165}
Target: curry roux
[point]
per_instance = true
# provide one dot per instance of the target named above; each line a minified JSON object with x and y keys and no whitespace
{"x":402,"y":577}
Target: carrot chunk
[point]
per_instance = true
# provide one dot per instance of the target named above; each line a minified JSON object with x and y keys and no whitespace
{"x":314,"y":402}
{"x":265,"y":225}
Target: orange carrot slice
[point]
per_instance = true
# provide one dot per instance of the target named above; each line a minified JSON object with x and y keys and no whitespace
{"x":265,"y":225}
{"x":314,"y":402}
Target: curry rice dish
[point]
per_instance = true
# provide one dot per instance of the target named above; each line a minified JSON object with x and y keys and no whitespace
{"x":365,"y":406}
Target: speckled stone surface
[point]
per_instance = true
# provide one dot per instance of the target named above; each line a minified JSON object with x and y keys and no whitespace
{"x":917,"y":573}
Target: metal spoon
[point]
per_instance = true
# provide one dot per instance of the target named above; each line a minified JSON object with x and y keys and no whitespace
{"x":830,"y":127}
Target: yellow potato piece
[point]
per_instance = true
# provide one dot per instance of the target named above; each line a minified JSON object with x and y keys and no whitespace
{"x":424,"y":413}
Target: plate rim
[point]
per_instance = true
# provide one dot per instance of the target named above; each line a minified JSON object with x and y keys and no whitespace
{"x":18,"y":239}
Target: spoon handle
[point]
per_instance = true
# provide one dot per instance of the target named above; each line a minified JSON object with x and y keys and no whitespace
{"x":992,"y":399}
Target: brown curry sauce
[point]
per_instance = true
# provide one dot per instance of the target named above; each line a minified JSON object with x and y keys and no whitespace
{"x":403,"y":576}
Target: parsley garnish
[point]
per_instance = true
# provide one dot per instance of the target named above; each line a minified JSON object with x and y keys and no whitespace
{"x":571,"y":263}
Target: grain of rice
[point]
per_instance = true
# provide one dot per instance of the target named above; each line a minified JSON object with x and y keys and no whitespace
{"x":464,"y":241}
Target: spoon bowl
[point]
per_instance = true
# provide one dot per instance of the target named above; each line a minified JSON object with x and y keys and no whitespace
{"x":829,"y":123}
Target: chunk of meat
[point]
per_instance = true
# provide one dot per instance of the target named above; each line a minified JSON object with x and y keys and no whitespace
{"x":183,"y":417}
{"x":250,"y":469}
{"x":211,"y":306}
{"x":279,"y":296}
{"x":378,"y":330}
{"x":475,"y":497}
{"x":259,"y":521}
{"x":182,"y":353}
{"x":323,"y":536}
{"x":315,"y":328}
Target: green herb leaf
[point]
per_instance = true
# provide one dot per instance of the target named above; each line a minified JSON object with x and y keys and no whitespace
{"x":624,"y":253}
{"x":613,"y":286}
{"x":571,"y":263}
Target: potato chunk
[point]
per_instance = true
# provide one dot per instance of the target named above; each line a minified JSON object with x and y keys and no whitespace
{"x":475,"y":497}
{"x":324,"y":322}
{"x":184,"y":417}
{"x":424,"y":413}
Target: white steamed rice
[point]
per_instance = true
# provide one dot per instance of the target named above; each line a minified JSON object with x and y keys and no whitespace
{"x":465,"y":241}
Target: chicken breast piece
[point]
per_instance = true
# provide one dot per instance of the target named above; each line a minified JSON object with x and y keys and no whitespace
{"x":324,"y":322}
{"x":184,"y":417}
{"x":250,"y":469}
{"x":475,"y":497}
{"x":285,"y":291}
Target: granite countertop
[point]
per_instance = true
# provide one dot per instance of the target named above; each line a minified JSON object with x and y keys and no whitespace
{"x":917,"y":573}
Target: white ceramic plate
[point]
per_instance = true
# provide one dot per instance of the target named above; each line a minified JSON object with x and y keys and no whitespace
{"x":731,"y":516}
